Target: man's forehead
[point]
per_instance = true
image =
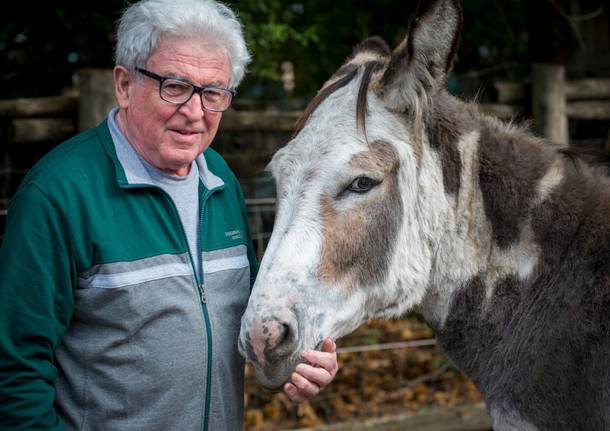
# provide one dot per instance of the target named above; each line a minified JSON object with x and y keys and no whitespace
{"x":190,"y":54}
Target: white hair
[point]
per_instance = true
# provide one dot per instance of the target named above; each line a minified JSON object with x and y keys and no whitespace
{"x":142,"y":23}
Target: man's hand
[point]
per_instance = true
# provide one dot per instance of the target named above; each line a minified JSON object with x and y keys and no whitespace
{"x":308,"y":380}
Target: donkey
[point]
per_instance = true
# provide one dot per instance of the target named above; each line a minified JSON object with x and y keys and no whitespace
{"x":394,"y":195}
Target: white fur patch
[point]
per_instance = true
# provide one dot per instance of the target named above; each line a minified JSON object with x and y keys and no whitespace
{"x":518,"y":260}
{"x":509,"y":420}
{"x":549,"y":182}
{"x":462,"y":235}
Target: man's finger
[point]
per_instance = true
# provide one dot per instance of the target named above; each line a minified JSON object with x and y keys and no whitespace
{"x":305,"y":388}
{"x":318,"y":375}
{"x":293,"y":393}
{"x":329,"y":345}
{"x":308,"y":380}
{"x":328,"y":361}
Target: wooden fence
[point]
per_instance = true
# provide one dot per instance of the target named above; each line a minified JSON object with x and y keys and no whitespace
{"x":553,"y":101}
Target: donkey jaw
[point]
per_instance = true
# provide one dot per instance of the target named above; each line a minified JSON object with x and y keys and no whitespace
{"x":275,"y":374}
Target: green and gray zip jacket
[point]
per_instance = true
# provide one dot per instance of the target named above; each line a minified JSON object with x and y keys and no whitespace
{"x":103,"y":322}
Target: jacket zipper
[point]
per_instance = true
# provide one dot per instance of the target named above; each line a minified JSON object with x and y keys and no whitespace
{"x":202,"y":293}
{"x":208,"y":387}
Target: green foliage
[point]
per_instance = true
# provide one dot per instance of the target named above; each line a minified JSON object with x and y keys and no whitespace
{"x":315,"y":36}
{"x":270,"y":29}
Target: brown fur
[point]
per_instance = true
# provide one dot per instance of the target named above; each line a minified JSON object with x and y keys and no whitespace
{"x":358,"y":242}
{"x":444,"y":125}
{"x":510,"y":168}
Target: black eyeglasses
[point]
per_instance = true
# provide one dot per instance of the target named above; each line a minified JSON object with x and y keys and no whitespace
{"x":179,"y":91}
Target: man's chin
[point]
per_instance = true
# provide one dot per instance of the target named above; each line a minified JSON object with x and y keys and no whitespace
{"x":179,"y":161}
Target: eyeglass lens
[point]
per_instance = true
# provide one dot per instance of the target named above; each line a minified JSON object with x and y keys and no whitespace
{"x":215,"y":99}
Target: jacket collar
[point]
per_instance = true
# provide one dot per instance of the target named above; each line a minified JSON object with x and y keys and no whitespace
{"x":129,"y":168}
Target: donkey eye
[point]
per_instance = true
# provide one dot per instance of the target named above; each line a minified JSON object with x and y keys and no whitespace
{"x":362,"y":185}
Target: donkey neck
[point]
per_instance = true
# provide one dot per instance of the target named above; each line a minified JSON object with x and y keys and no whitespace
{"x":520,"y":282}
{"x":493,"y":175}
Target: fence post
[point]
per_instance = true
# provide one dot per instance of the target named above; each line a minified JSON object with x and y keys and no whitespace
{"x":96,"y":97}
{"x":549,"y":102}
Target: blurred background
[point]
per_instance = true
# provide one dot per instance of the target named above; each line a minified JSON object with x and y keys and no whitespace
{"x":546,"y":62}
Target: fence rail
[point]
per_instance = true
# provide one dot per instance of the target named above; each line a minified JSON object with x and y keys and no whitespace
{"x":388,"y":346}
{"x":554,"y":100}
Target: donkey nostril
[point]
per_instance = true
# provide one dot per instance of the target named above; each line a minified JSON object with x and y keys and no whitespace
{"x":284,"y":341}
{"x":281,"y":332}
{"x":283,"y":335}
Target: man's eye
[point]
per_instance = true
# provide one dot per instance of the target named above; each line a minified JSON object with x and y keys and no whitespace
{"x":362,"y":185}
{"x":175,"y":88}
{"x":212,"y":95}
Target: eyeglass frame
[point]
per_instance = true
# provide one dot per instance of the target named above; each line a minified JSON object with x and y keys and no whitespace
{"x":196,"y":88}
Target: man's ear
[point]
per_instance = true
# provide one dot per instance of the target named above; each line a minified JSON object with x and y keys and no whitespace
{"x":122,"y":85}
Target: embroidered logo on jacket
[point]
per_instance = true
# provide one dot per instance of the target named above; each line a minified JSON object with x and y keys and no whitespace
{"x":234,"y":234}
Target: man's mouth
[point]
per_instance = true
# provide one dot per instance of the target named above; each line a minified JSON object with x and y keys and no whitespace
{"x":186,"y":132}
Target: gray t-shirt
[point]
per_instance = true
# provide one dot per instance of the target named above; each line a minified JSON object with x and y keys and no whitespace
{"x":184,"y":191}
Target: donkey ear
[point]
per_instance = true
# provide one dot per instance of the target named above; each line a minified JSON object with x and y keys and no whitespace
{"x":420,"y":64}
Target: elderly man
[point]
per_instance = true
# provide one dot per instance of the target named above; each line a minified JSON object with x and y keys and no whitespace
{"x":127,"y":260}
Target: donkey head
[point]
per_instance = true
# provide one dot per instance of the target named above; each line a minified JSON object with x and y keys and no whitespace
{"x":354,"y":235}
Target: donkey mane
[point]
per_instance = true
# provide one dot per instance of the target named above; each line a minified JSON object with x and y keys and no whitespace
{"x":376,"y":52}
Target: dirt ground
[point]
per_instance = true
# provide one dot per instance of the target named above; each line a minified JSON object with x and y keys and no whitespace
{"x":369,"y":384}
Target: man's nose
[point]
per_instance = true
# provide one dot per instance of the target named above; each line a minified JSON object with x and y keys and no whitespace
{"x":193,"y":108}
